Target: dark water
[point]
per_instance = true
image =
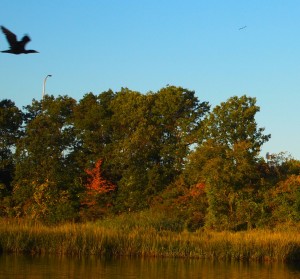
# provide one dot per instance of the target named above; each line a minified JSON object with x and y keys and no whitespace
{"x":16,"y":266}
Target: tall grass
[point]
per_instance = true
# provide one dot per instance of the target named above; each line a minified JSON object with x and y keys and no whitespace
{"x":134,"y":235}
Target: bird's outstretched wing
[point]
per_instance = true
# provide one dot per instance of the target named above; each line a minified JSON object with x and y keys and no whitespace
{"x":10,"y":36}
{"x":25,"y":39}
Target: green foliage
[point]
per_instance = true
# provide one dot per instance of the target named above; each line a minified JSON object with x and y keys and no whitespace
{"x":11,"y":119}
{"x":151,"y":137}
{"x":92,"y":122}
{"x":226,"y":162}
{"x":233,"y":121}
{"x":41,"y":185}
{"x":162,"y":150}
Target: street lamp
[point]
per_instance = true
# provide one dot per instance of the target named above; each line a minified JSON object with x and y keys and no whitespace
{"x":44,"y":86}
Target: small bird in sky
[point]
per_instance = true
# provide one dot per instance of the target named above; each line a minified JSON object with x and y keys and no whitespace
{"x":241,"y":28}
{"x":16,"y":47}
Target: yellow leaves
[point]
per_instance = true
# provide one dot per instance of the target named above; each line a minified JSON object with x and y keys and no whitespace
{"x":290,"y":185}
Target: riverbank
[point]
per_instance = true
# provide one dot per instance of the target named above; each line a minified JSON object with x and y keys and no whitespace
{"x":105,"y":239}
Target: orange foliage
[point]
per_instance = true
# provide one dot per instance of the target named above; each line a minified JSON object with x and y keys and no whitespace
{"x":96,"y":183}
{"x":197,"y":190}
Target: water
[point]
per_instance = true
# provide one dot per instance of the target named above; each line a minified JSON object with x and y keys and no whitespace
{"x":34,"y":267}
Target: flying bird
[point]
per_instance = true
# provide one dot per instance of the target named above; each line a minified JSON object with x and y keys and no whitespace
{"x":15,"y":46}
{"x":241,"y":28}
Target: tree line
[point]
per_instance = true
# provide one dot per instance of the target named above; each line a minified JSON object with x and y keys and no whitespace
{"x":115,"y":152}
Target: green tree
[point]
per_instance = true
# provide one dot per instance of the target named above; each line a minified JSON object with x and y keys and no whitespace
{"x":93,"y":126}
{"x":45,"y":172}
{"x":177,"y":114}
{"x":152,"y":135}
{"x":234,"y":121}
{"x":226,"y":161}
{"x":11,"y":119}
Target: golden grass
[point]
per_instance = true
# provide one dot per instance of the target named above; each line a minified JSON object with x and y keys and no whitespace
{"x":103,"y":239}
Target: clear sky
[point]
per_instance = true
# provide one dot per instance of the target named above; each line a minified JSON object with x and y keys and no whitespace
{"x":96,"y":45}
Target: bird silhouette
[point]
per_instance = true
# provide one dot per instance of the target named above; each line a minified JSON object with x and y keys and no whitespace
{"x":16,"y":47}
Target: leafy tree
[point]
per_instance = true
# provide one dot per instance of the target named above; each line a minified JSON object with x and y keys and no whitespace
{"x":226,"y":161}
{"x":132,"y":148}
{"x":96,"y":183}
{"x":177,"y":113}
{"x":11,"y":119}
{"x":92,"y":122}
{"x":281,"y":165}
{"x":94,"y":199}
{"x":277,"y":173}
{"x":184,"y":207}
{"x":45,"y":173}
{"x":162,"y":149}
{"x":152,"y":134}
{"x":234,"y":121}
{"x":284,"y":201}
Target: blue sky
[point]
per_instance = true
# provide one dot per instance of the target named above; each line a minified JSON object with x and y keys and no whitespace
{"x":96,"y":45}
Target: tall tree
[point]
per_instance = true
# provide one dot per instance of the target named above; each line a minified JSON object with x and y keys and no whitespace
{"x":92,"y":122}
{"x":226,"y":160}
{"x":45,"y":173}
{"x":151,"y":139}
{"x":11,"y":119}
{"x":234,"y":121}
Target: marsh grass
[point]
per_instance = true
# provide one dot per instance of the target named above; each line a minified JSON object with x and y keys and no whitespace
{"x":139,"y":236}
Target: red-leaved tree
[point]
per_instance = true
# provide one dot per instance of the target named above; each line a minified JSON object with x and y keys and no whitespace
{"x":96,"y":184}
{"x":94,"y":199}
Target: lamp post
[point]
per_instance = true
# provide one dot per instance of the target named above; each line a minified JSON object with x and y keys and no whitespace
{"x":44,"y":85}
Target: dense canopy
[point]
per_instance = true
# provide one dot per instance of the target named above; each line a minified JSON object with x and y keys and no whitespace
{"x":115,"y":152}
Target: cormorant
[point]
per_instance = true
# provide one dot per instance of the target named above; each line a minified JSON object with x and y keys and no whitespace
{"x":16,"y":47}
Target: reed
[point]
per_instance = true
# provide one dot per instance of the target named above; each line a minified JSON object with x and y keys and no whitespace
{"x":112,"y":238}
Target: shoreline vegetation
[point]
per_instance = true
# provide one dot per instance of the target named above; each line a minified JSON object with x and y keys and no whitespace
{"x":159,"y":174}
{"x":121,"y":236}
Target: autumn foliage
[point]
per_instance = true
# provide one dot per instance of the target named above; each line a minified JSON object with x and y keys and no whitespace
{"x":96,"y":185}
